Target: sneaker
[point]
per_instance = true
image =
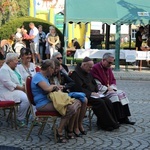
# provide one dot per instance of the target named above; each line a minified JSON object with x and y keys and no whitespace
{"x":21,"y":123}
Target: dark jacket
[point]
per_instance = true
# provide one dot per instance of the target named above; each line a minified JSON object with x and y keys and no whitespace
{"x":65,"y":67}
{"x":84,"y":81}
{"x":65,"y":80}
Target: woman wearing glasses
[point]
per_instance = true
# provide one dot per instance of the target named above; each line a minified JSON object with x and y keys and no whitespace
{"x":60,"y":78}
{"x":41,"y":87}
{"x":63,"y":67}
{"x":26,"y":68}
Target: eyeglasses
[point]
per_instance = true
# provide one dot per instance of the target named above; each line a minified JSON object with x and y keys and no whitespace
{"x":59,"y":58}
{"x":110,"y":63}
{"x":25,"y":51}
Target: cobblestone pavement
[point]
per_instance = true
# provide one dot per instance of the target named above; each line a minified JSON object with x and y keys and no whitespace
{"x":128,"y":137}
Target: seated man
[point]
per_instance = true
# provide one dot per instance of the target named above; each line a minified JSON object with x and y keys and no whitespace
{"x":76,"y":44}
{"x":107,"y":85}
{"x":102,"y":107}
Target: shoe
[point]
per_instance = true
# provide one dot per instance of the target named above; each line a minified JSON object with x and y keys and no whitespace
{"x":83,"y":132}
{"x":69,"y":133}
{"x":107,"y":128}
{"x":77,"y":134}
{"x":60,"y":138}
{"x":116,"y":126}
{"x":21,"y":123}
{"x":127,"y":121}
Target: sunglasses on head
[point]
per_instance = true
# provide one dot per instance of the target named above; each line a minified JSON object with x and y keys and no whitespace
{"x":59,"y":58}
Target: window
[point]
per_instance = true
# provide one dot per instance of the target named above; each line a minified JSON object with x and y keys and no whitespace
{"x":133,"y":32}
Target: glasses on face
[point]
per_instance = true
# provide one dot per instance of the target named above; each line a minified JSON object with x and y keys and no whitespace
{"x":110,"y":63}
{"x":59,"y":58}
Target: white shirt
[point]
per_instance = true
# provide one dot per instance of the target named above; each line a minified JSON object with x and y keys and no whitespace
{"x":35,"y":32}
{"x":24,"y":72}
{"x":47,"y":44}
{"x":8,"y":83}
{"x":18,"y":35}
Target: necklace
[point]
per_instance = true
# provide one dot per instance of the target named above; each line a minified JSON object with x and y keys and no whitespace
{"x":105,"y":75}
{"x":27,"y":69}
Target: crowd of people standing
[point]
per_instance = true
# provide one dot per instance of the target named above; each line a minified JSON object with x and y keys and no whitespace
{"x":42,"y":45}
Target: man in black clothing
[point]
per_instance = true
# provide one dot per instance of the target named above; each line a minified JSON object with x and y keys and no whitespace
{"x":102,"y":107}
{"x":138,"y":43}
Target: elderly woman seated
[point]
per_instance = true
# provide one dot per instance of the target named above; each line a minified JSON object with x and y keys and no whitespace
{"x":63,"y":67}
{"x":41,"y":88}
{"x":60,"y":78}
{"x":12,"y":86}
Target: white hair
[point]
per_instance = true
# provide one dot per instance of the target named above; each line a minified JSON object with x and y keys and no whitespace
{"x":107,"y":55}
{"x":51,"y":27}
{"x":11,"y":56}
{"x":55,"y":54}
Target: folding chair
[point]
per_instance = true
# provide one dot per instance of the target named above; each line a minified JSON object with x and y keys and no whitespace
{"x":37,"y":68}
{"x":90,"y":115}
{"x":40,"y":116}
{"x":12,"y":111}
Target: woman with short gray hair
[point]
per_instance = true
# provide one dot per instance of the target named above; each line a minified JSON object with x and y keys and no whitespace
{"x":12,"y":86}
{"x":10,"y":57}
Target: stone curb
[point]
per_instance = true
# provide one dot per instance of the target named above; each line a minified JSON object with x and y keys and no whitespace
{"x":123,"y":75}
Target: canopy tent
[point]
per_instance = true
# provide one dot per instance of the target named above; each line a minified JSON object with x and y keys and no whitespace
{"x":87,"y":11}
{"x":133,"y":11}
{"x":109,"y":11}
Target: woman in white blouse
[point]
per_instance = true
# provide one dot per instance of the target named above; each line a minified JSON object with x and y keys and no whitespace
{"x":12,"y":86}
{"x":26,"y":68}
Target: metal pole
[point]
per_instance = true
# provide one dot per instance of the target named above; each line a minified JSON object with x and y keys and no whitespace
{"x":107,"y":36}
{"x":129,"y":36}
{"x":117,"y":46}
{"x":65,"y":46}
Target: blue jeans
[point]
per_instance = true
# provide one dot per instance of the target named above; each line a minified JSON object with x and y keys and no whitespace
{"x":41,"y":49}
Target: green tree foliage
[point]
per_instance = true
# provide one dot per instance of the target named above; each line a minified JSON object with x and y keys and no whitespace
{"x":11,"y":9}
{"x":10,"y":27}
{"x":23,"y":8}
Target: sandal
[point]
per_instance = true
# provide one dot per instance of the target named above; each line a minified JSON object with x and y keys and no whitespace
{"x":83,"y":132}
{"x":69,"y":134}
{"x":77,"y":134}
{"x":60,"y":138}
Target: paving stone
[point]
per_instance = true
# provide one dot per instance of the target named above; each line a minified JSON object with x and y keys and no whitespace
{"x":127,"y":137}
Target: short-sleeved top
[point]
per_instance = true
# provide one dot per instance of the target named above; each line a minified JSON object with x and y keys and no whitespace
{"x":40,"y":96}
{"x":26,"y":72}
{"x":35,"y":32}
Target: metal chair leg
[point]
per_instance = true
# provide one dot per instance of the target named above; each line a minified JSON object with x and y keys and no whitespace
{"x":43,"y":126}
{"x":32,"y":125}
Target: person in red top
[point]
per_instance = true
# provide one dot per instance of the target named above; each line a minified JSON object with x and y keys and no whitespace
{"x":106,"y":82}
